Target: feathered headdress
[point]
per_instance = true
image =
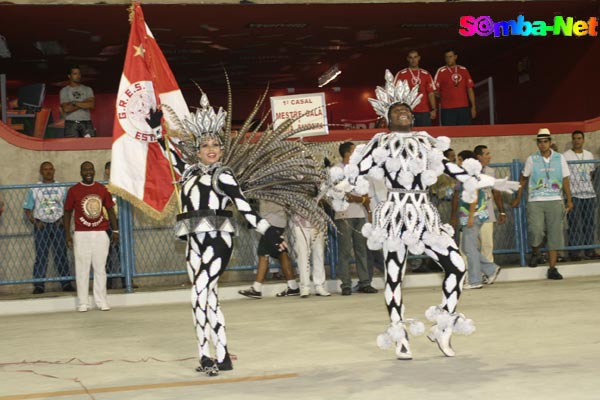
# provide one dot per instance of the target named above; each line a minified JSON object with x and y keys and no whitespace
{"x":394,"y":93}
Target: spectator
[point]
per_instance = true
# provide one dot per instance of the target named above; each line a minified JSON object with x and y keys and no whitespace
{"x":309,"y":245}
{"x":547,"y":175}
{"x":486,"y":233}
{"x":349,"y":224}
{"x":44,"y":208}
{"x":455,"y":89}
{"x":581,"y":218}
{"x":471,"y":217}
{"x":415,"y":76}
{"x":76,"y":101}
{"x":90,"y":241}
{"x":277,"y":218}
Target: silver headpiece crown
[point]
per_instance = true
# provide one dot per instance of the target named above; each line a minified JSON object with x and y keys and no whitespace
{"x":205,"y":124}
{"x":394,"y":93}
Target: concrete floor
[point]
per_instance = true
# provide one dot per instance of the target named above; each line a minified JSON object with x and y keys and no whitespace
{"x":534,"y":340}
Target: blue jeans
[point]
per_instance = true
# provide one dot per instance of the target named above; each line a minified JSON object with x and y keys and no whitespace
{"x":50,"y":235}
{"x":350,"y":238}
{"x":476,"y":262}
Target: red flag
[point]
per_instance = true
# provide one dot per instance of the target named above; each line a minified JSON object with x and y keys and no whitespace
{"x":140,"y":172}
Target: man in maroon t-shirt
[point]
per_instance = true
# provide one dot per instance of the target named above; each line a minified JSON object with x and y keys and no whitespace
{"x":425,"y":111}
{"x":455,"y":90}
{"x":90,"y":241}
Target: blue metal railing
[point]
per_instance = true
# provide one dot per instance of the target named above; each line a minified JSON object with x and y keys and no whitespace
{"x":147,"y":249}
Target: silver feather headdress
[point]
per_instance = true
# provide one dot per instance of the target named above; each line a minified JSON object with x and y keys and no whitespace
{"x":205,"y":123}
{"x":197,"y":127}
{"x":394,"y":93}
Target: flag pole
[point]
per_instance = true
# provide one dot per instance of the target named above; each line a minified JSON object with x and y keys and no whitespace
{"x":169,"y":157}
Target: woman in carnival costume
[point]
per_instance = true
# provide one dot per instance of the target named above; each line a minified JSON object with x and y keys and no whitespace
{"x":410,"y":162}
{"x":218,"y":168}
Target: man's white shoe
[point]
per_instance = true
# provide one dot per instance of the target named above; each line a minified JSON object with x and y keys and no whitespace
{"x":304,"y":292}
{"x":492,"y":278}
{"x":321,"y":291}
{"x":82,"y":308}
{"x":104,"y":307}
{"x":468,"y":286}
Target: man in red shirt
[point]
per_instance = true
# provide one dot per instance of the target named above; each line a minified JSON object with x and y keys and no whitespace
{"x":425,"y":111}
{"x":90,"y":240}
{"x":455,"y":90}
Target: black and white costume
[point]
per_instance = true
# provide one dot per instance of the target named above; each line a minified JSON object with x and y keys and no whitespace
{"x":266,"y":169}
{"x":206,"y":191}
{"x":410,"y":162}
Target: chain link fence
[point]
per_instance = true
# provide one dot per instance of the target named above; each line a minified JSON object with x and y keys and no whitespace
{"x":148,"y":249}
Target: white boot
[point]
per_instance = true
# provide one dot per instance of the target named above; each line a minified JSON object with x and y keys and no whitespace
{"x":395,"y":334}
{"x":403,"y":348}
{"x":445,"y":325}
{"x":442,"y":338}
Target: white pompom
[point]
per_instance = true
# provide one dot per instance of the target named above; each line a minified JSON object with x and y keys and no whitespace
{"x":343,"y":186}
{"x":417,"y":248}
{"x":470,"y":184}
{"x":472,"y":166}
{"x":393,"y":164}
{"x":380,"y":154}
{"x":336,"y":174}
{"x":374,"y":244}
{"x":432,"y":313}
{"x":428,"y":178}
{"x":417,"y":328}
{"x":394,"y":244}
{"x":410,"y":238}
{"x":464,"y":326}
{"x":384,"y":341}
{"x":351,"y":171}
{"x":339,"y":205}
{"x":437,"y":168}
{"x":367,"y":229}
{"x":443,"y":143}
{"x":405,"y":179}
{"x":435,"y":156}
{"x":376,"y":173}
{"x":416,"y":166}
{"x":362,"y":185}
{"x":468,"y":196}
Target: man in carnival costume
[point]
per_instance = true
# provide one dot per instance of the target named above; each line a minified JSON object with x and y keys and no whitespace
{"x":406,"y":221}
{"x":218,"y":168}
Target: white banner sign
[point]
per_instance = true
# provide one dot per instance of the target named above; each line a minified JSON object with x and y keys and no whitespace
{"x":306,"y":109}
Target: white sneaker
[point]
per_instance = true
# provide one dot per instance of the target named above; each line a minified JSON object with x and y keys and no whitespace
{"x":468,"y":286}
{"x":82,"y":308}
{"x":492,"y":278}
{"x":304,"y":292}
{"x":321,"y":291}
{"x":104,"y":307}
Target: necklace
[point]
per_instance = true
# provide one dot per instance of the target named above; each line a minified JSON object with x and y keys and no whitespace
{"x":547,"y":169}
{"x":456,"y":78}
{"x":416,"y":80}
